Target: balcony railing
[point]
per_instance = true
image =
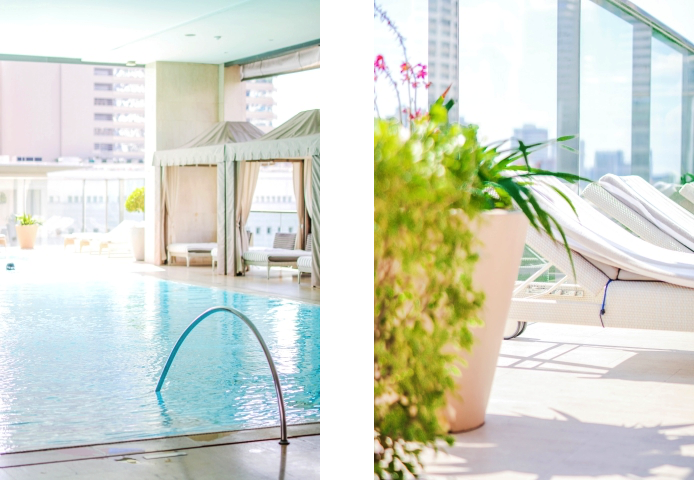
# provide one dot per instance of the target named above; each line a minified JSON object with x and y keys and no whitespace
{"x":265,"y":224}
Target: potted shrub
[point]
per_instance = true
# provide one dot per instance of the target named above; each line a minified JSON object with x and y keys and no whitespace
{"x":136,"y":203}
{"x":27,"y":227}
{"x":450,"y":220}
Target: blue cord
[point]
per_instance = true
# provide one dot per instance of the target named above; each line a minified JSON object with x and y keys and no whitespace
{"x":603,"y":305}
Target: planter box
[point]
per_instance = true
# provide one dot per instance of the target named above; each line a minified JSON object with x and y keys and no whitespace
{"x":26,"y":235}
{"x":502,"y":235}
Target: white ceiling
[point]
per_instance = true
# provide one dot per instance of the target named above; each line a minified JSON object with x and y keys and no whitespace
{"x":119,"y":31}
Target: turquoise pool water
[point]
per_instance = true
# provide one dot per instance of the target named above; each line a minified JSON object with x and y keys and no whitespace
{"x":79,"y":361}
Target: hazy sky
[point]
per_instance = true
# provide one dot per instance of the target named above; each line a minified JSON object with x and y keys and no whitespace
{"x":296,"y":92}
{"x":677,"y":14}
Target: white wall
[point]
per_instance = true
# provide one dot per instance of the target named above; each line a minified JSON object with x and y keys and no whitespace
{"x":30,"y":109}
{"x":77,"y":98}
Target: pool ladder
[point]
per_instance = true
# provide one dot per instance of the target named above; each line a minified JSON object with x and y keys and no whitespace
{"x":249,"y":323}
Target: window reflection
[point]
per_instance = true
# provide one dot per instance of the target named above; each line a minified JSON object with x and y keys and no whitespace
{"x":666,"y":111}
{"x":508,"y":70}
{"x":605,"y":109}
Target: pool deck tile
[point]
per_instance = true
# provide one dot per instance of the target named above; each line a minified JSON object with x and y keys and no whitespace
{"x":141,"y":447}
{"x":54,"y":261}
{"x":582,"y":403}
{"x":256,"y":460}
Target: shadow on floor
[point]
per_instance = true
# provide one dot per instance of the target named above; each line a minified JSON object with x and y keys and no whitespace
{"x":566,"y":447}
{"x":645,"y":365}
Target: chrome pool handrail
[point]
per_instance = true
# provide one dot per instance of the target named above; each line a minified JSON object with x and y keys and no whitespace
{"x":249,"y":323}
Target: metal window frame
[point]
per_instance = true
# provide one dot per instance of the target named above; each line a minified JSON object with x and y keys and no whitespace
{"x":645,"y":28}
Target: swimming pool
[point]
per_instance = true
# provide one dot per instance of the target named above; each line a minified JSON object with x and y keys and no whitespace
{"x":79,"y":361}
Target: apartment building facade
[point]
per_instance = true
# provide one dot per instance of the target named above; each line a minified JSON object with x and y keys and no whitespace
{"x":50,"y":111}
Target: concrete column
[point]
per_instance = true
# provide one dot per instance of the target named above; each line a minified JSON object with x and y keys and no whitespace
{"x":234,"y":95}
{"x":181,"y":101}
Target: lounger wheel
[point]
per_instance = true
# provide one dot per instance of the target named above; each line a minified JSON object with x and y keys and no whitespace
{"x":513,"y":329}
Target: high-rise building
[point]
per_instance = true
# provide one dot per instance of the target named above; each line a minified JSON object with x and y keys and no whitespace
{"x":50,"y":110}
{"x":260,"y":103}
{"x":529,"y":134}
{"x":612,"y":161}
{"x":443,"y":55}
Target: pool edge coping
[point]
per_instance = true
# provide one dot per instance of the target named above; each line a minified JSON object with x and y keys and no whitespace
{"x":151,"y":445}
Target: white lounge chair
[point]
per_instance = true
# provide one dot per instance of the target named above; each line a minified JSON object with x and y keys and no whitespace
{"x":282,"y":254}
{"x":643,"y":209}
{"x":117,"y":239}
{"x":687,"y":192}
{"x":189,"y":250}
{"x":304,"y":264}
{"x":621,"y":280}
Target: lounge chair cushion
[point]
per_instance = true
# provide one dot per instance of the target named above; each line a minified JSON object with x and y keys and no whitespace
{"x":183,"y":248}
{"x":274,"y":255}
{"x":656,"y":207}
{"x":304,"y":263}
{"x":687,"y":191}
{"x":598,"y":238}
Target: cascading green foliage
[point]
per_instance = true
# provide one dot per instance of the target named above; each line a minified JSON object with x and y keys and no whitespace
{"x":136,"y":201}
{"x":431,"y":181}
{"x":423,"y":297}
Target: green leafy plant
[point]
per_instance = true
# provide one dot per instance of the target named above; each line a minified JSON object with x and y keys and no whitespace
{"x":431,"y":180}
{"x":687,"y":178}
{"x":27,"y":219}
{"x":423,"y":297}
{"x":136,"y":201}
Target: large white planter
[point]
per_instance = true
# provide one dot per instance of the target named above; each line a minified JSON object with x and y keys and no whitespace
{"x":137,"y":243}
{"x":502,"y":235}
{"x":26,"y":235}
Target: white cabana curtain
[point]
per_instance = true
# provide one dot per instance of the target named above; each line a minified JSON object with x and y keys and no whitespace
{"x":170,"y":198}
{"x":298,"y":180}
{"x":247,"y":177}
{"x":172,"y":195}
{"x":315,"y":221}
{"x":162,"y":219}
{"x":307,"y":187}
{"x":189,"y":203}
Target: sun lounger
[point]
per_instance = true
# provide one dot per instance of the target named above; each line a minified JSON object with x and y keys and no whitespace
{"x":213,"y":254}
{"x":621,"y":280}
{"x":116,"y":239}
{"x":282,"y":254}
{"x":648,"y":213}
{"x":189,"y":250}
{"x":303,"y":266}
{"x":687,"y":192}
{"x":78,"y":241}
{"x":635,"y":222}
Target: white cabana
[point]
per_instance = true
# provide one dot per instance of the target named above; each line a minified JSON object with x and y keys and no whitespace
{"x":296,"y":141}
{"x":189,"y":197}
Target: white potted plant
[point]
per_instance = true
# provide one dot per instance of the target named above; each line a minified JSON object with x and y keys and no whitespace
{"x":27,"y":227}
{"x":450,"y":220}
{"x":136,"y":203}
